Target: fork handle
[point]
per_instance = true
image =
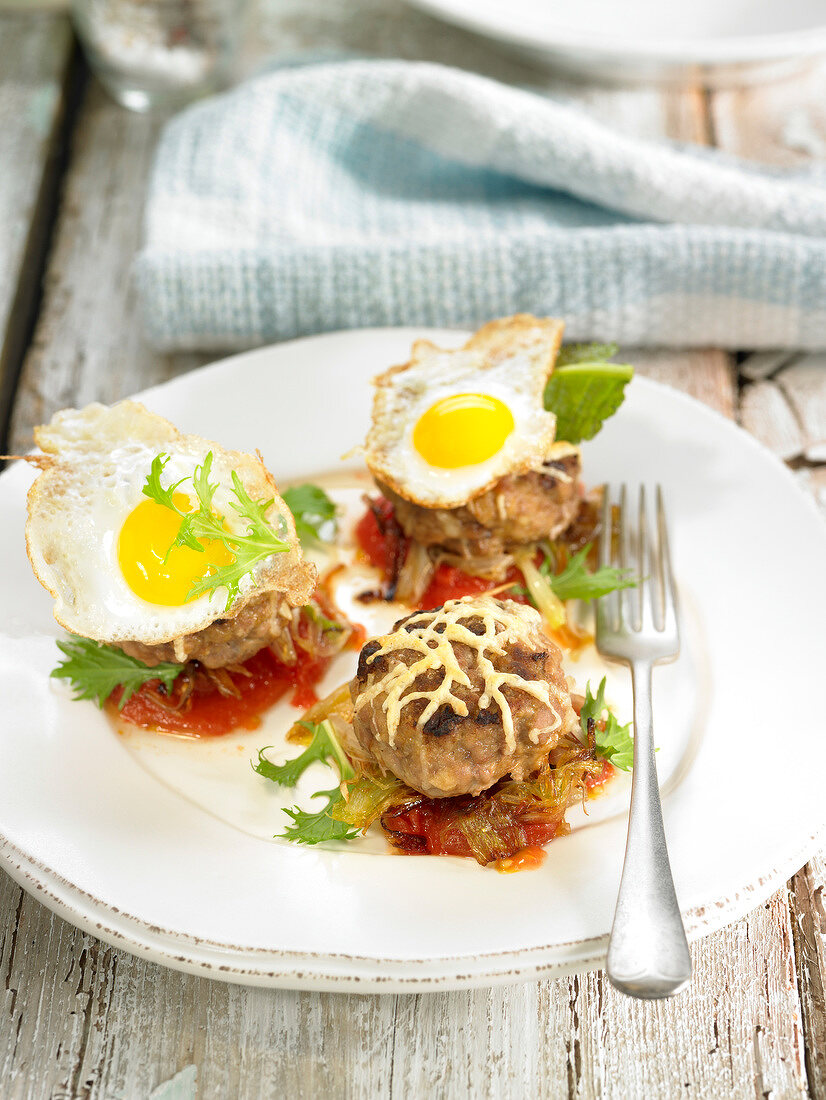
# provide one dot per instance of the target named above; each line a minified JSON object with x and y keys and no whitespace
{"x":648,"y":952}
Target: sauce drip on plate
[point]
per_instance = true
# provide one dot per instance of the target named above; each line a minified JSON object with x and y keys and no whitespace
{"x":207,"y":712}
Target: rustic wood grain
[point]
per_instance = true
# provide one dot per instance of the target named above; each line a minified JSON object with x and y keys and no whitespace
{"x":762,"y":364}
{"x":766,"y":413}
{"x":803,"y":383}
{"x":707,"y":375}
{"x":808,"y":897}
{"x":35,"y":64}
{"x":779,"y":123}
{"x":88,"y":344}
{"x":80,"y":1019}
{"x":785,"y":125}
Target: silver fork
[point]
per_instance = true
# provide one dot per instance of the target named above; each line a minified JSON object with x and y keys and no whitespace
{"x":647,"y":953}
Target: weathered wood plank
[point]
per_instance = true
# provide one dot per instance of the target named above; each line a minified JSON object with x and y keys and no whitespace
{"x":99,"y":1023}
{"x":767,"y":414}
{"x":35,"y":62}
{"x":707,"y":375}
{"x":82,"y":1019}
{"x":762,"y":364}
{"x":732,"y":1035}
{"x":808,"y":898}
{"x":785,"y":124}
{"x":88,"y":344}
{"x":803,"y":383}
{"x":781,"y":123}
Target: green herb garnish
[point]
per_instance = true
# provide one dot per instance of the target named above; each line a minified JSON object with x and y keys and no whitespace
{"x":324,"y":747}
{"x":584,"y":390}
{"x":96,"y":670}
{"x":313,"y":511}
{"x":548,"y":591}
{"x":312,"y":828}
{"x":577,"y":582}
{"x":260,"y":541}
{"x":614,"y":742}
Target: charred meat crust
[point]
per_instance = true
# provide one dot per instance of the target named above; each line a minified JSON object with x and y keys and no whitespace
{"x":518,"y":509}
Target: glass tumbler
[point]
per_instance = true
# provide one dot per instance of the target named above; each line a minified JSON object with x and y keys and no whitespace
{"x":159,"y":53}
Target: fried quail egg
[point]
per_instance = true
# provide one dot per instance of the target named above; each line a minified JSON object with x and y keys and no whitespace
{"x":102,"y":548}
{"x":449,"y":424}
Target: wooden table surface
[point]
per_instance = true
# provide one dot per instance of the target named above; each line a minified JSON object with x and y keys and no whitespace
{"x":81,"y":1019}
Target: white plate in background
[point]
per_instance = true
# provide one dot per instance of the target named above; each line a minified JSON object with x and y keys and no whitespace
{"x":641,"y":40}
{"x":93,"y":834}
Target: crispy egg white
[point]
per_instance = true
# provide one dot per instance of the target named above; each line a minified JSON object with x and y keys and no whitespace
{"x":95,"y":466}
{"x":449,"y":424}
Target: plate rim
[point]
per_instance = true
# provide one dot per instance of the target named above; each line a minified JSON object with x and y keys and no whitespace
{"x":365,"y":973}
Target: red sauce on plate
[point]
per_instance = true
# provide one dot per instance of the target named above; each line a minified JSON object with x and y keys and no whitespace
{"x":208,"y":713}
{"x":527,"y":859}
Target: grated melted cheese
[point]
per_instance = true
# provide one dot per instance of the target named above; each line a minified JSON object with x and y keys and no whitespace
{"x":504,"y":623}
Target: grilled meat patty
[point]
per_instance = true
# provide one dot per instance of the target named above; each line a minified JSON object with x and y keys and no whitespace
{"x":516,"y":510}
{"x":226,"y":641}
{"x":450,"y":753}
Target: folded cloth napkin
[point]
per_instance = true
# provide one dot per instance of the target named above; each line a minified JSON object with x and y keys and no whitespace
{"x":359,"y":193}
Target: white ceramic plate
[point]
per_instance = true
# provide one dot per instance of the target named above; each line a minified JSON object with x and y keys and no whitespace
{"x":91,"y":831}
{"x":641,"y":40}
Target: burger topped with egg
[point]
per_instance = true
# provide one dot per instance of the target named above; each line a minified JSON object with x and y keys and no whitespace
{"x":176,"y":565}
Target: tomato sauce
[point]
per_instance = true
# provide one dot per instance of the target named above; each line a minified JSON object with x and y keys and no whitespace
{"x":377,"y":537}
{"x":209,"y":713}
{"x":526,"y":859}
{"x":431,"y":827}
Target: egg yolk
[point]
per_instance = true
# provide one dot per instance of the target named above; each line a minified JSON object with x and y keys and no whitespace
{"x":153,"y":571}
{"x":462,"y":430}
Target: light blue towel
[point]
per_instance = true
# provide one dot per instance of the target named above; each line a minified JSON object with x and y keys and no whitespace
{"x":359,"y":193}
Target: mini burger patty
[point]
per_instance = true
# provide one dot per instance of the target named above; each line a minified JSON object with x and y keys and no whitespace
{"x":227,"y":641}
{"x":451,"y":753}
{"x":518,"y":509}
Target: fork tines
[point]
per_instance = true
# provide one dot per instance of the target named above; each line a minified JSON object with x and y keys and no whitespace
{"x":626,"y":542}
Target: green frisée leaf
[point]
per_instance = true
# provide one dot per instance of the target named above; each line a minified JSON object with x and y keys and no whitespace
{"x":313,"y":511}
{"x":577,"y":582}
{"x":95,"y":670}
{"x":154,"y":488}
{"x":582,"y":395}
{"x":260,"y":540}
{"x":324,"y":747}
{"x":613,"y":742}
{"x":548,"y":591}
{"x":308,"y":827}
